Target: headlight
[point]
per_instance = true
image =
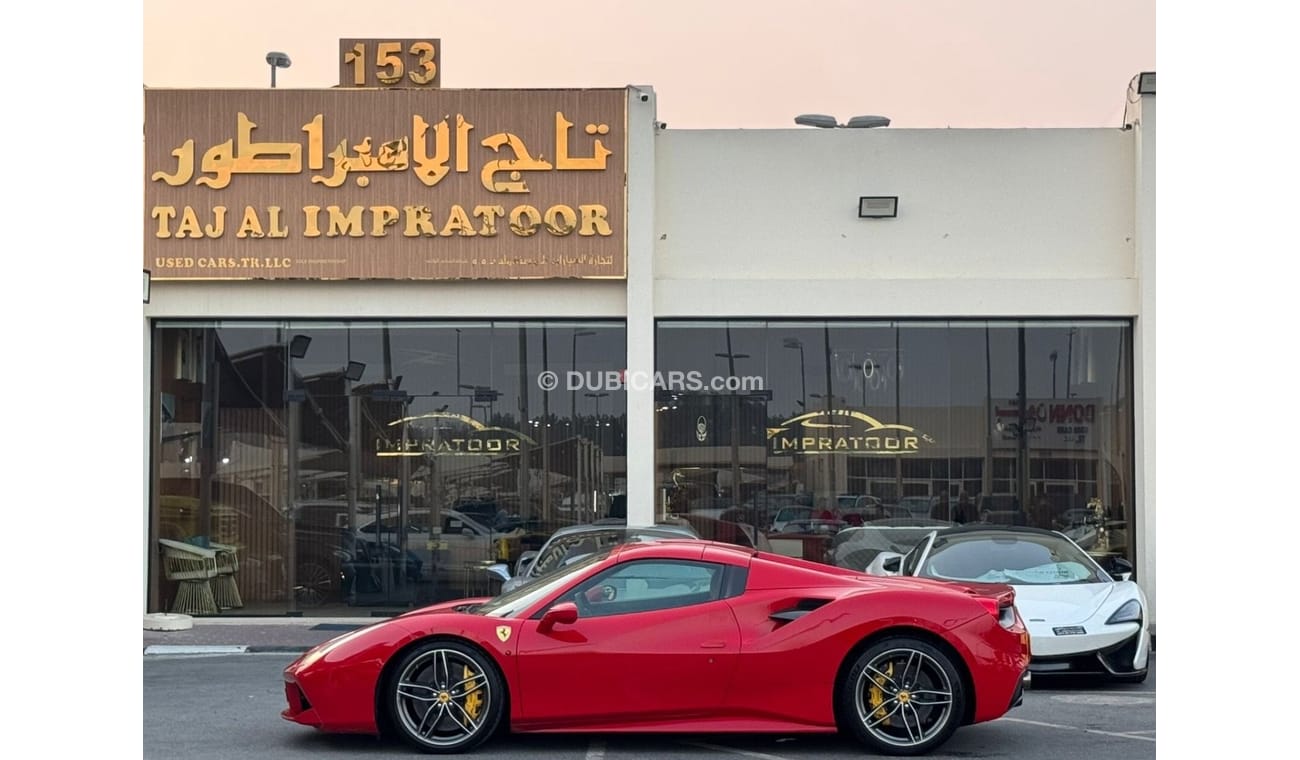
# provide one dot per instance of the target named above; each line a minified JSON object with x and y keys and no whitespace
{"x":1128,"y":612}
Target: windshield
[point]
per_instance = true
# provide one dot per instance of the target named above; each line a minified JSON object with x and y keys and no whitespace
{"x":1009,"y":557}
{"x":526,"y":596}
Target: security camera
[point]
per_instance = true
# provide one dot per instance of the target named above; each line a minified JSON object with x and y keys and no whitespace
{"x":644,"y":97}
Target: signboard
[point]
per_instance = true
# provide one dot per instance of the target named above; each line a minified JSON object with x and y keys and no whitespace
{"x":1049,"y":423}
{"x":390,"y":63}
{"x":845,"y":431}
{"x":449,"y":434}
{"x":385,"y":184}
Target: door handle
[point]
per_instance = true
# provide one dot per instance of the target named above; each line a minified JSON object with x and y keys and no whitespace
{"x":714,"y":645}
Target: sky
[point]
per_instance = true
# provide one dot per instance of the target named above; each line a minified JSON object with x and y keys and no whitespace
{"x":714,"y":64}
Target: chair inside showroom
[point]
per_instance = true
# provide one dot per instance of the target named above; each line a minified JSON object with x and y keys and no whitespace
{"x":224,"y":589}
{"x":193,"y":568}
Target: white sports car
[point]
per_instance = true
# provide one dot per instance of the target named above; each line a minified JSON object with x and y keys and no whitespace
{"x":1081,"y":619}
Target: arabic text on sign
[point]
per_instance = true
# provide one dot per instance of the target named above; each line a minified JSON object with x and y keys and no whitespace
{"x":241,"y":155}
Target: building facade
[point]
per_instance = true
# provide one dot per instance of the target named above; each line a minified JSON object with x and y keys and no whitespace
{"x":364,"y":442}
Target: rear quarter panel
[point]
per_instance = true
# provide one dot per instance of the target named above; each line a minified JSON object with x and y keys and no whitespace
{"x":788,"y":670}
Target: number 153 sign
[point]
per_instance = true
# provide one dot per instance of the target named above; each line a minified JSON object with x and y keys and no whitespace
{"x":390,"y":63}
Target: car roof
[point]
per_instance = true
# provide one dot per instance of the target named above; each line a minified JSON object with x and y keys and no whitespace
{"x":683,"y":548}
{"x":995,"y":528}
{"x":601,"y":526}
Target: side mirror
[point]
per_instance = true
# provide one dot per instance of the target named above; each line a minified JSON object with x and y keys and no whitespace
{"x":1121,"y":569}
{"x":565,"y":613}
{"x":525,"y":561}
{"x":886,"y":563}
{"x":499,"y":570}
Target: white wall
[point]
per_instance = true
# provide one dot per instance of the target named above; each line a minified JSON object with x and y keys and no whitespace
{"x":370,"y":299}
{"x":740,"y":214}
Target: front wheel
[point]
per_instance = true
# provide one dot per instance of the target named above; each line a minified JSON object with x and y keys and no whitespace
{"x":903,"y":696}
{"x":445,"y":697}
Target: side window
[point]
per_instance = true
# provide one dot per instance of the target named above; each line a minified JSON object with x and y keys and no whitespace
{"x":648,"y":585}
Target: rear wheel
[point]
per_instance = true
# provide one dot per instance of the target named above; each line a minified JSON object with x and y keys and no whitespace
{"x":903,"y":696}
{"x":445,"y":697}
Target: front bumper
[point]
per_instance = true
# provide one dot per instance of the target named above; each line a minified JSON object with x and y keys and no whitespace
{"x":1115,"y":659}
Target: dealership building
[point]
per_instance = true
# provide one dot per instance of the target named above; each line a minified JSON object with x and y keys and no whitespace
{"x":395,"y":335}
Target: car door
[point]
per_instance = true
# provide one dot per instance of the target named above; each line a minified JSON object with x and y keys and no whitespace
{"x":653,"y":641}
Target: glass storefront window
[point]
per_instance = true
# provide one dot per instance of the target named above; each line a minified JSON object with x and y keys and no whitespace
{"x":831,"y":424}
{"x":322,"y":467}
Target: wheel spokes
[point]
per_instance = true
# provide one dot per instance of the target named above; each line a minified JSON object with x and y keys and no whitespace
{"x":431,"y":701}
{"x":910,"y":697}
{"x":406,"y":689}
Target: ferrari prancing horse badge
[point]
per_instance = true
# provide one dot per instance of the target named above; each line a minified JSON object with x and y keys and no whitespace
{"x":503,"y":633}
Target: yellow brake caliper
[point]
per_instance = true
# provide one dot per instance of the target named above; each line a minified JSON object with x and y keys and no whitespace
{"x":474,"y":702}
{"x":876,"y":696}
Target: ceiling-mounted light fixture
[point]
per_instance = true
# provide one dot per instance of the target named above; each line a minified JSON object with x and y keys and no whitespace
{"x":878,"y":207}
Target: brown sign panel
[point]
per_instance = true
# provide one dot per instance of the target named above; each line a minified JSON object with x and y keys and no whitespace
{"x":390,"y":63}
{"x":385,"y":184}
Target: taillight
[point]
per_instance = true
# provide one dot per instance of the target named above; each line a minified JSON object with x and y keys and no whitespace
{"x":1003,"y":609}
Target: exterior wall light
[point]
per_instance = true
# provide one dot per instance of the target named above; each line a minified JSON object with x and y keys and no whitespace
{"x":1147,"y":83}
{"x":829,"y":122}
{"x":878,"y":207}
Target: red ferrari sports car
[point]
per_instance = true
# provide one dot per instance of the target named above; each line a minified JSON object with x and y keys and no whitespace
{"x":678,"y":636}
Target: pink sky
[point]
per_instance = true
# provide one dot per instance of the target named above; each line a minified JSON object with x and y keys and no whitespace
{"x":713,"y":63}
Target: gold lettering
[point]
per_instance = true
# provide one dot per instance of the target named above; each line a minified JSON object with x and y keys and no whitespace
{"x":519,"y":226}
{"x":494,"y":444}
{"x":475,"y":444}
{"x":462,"y":143}
{"x":381,"y":218}
{"x":164,"y":215}
{"x":218,"y":226}
{"x":251,"y":226}
{"x":912,"y":443}
{"x":419,"y":221}
{"x":345,"y":224}
{"x":823,"y":444}
{"x":873,"y":443}
{"x":594,"y":221}
{"x":808,"y":442}
{"x":893,"y":444}
{"x":278,"y":229}
{"x":430,"y":169}
{"x":560,"y":220}
{"x":458,"y":221}
{"x":489,"y":215}
{"x":512,"y":445}
{"x":315,"y":143}
{"x":184,"y":166}
{"x":311,"y":217}
{"x":189,"y":226}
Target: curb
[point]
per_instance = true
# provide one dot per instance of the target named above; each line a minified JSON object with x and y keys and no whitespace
{"x":153,"y":649}
{"x":190,"y":649}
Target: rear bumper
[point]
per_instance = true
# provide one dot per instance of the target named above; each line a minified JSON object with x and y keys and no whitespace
{"x":1019,"y":695}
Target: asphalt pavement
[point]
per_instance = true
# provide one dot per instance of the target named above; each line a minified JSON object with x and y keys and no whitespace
{"x":215,"y":691}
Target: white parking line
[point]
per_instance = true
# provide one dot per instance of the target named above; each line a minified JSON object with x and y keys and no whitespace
{"x":1085,"y":730}
{"x":734,"y":751}
{"x":596,"y":750}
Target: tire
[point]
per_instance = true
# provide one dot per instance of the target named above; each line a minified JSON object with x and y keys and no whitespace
{"x":444,"y":697}
{"x":878,"y":702}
